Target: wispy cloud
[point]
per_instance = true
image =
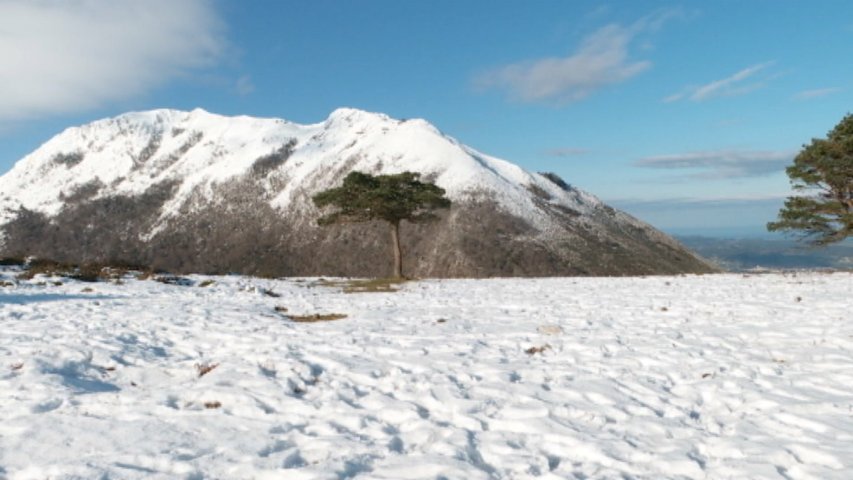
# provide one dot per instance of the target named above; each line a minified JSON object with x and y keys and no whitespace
{"x":816,"y":93}
{"x":721,"y":164}
{"x":244,"y":85}
{"x":566,"y":152}
{"x":674,"y":97}
{"x":739,"y":83}
{"x":733,"y":216}
{"x":602,"y":59}
{"x":69,"y":56}
{"x":696,"y":202}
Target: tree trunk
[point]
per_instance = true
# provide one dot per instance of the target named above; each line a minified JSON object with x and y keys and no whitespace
{"x":395,"y":247}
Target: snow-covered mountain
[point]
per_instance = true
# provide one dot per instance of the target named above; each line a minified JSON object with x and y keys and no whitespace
{"x":203,"y":192}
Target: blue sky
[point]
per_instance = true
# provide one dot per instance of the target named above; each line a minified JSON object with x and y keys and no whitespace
{"x":684,"y":114}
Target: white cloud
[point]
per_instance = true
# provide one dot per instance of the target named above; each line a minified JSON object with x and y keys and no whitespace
{"x":68,"y":56}
{"x":816,"y":93}
{"x":740,"y":83}
{"x":722,"y":164}
{"x":602,"y":59}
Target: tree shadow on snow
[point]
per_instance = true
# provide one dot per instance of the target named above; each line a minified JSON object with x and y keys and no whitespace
{"x":47,"y":297}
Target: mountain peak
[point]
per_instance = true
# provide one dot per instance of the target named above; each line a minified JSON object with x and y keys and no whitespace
{"x":352,"y":116}
{"x":155,"y":116}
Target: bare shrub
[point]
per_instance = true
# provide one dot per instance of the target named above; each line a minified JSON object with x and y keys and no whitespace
{"x":83,"y":192}
{"x":268,"y":163}
{"x":174,"y":280}
{"x":11,"y":262}
{"x":68,"y":159}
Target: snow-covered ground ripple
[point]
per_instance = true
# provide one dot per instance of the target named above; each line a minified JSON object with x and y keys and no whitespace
{"x":717,"y":376}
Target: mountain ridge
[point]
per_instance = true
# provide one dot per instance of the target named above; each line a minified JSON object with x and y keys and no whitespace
{"x":196,"y":165}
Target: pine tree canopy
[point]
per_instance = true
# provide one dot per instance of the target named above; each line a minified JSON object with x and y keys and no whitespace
{"x":823,"y":172}
{"x":391,"y":198}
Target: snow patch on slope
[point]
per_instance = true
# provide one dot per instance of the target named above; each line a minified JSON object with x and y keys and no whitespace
{"x":129,"y":154}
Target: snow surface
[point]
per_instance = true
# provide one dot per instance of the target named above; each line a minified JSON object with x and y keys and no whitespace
{"x":717,"y":376}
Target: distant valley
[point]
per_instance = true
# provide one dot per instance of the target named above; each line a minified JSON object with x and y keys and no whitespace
{"x":739,"y":254}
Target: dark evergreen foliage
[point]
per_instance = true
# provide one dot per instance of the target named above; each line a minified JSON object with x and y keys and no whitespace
{"x":823,"y":171}
{"x":390,"y":198}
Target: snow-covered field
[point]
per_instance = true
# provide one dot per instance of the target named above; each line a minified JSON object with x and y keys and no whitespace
{"x":717,"y":376}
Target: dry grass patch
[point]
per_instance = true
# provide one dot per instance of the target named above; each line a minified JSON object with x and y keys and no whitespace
{"x":46,"y":267}
{"x":550,"y":329}
{"x":374,"y":285}
{"x":535,"y":350}
{"x":317,"y":317}
{"x":205,"y":368}
{"x":364,"y":285}
{"x":87,"y":272}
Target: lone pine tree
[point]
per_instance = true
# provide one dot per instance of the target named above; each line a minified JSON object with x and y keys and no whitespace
{"x":389,"y":198}
{"x":823,"y":171}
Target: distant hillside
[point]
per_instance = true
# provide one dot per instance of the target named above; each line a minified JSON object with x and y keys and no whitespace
{"x":747,"y":253}
{"x":195,"y":191}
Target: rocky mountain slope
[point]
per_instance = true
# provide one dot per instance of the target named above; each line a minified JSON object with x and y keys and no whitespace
{"x":194,"y":191}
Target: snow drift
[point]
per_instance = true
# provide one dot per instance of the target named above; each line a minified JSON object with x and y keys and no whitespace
{"x":683,"y":377}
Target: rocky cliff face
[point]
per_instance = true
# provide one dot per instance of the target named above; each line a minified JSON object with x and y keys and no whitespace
{"x":194,"y":191}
